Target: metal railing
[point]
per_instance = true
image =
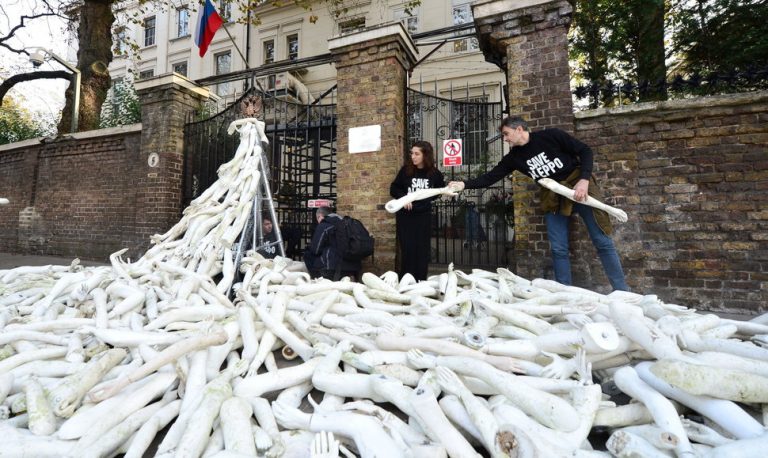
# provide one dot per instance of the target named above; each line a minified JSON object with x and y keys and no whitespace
{"x":471,"y":230}
{"x":611,"y":93}
{"x":301,"y":154}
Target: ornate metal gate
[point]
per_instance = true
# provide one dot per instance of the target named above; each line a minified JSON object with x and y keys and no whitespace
{"x":471,"y":230}
{"x":301,"y":155}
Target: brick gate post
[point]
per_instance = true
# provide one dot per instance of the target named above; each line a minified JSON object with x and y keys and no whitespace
{"x":372,"y":70}
{"x":529,"y":40}
{"x":165,"y":102}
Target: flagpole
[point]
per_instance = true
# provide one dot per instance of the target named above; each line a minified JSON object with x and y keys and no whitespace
{"x":245,"y":61}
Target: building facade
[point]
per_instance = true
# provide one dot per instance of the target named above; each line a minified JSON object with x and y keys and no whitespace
{"x":163,"y":42}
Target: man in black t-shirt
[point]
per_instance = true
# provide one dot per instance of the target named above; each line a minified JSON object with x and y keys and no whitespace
{"x":553,"y":153}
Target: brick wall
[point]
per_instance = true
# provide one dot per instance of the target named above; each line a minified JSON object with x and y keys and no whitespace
{"x":93,"y":193}
{"x":72,"y":197}
{"x":165,"y":102}
{"x":371,"y":78}
{"x":538,"y":76}
{"x":531,"y":44}
{"x":17,"y":176}
{"x":693,"y":177}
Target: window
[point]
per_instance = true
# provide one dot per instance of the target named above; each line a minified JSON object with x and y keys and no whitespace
{"x":411,"y":23}
{"x":468,"y":115}
{"x":269,"y":51}
{"x":144,"y":74}
{"x":352,"y":25}
{"x":120,"y":47}
{"x":462,"y":14}
{"x":149,"y":31}
{"x":180,"y":68}
{"x":223,"y":62}
{"x":182,"y":22}
{"x":223,"y":65}
{"x":225,"y":10}
{"x":292,"y":45}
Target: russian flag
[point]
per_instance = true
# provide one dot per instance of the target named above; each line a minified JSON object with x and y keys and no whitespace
{"x":208,"y":22}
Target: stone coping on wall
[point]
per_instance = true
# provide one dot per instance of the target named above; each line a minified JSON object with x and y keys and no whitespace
{"x":374,"y":32}
{"x":494,"y":7}
{"x":172,"y":78}
{"x":107,"y":132}
{"x":676,"y":105}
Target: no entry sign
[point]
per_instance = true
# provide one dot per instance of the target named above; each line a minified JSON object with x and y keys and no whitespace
{"x":452,"y":152}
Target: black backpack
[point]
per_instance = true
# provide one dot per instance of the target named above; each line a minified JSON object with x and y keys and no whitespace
{"x":353,"y":241}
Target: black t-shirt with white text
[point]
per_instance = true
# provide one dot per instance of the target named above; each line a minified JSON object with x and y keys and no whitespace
{"x":549,"y":153}
{"x":404,"y":184}
{"x":269,"y":252}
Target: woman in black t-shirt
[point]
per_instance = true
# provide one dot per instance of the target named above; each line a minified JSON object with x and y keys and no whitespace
{"x":414,"y":220}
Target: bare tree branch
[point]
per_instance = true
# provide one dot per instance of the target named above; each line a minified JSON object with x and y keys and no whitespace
{"x":21,"y":25}
{"x":22,"y":77}
{"x":46,"y":9}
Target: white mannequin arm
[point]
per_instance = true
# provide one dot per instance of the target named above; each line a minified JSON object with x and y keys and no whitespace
{"x":565,"y":191}
{"x":396,"y":204}
{"x":234,"y":125}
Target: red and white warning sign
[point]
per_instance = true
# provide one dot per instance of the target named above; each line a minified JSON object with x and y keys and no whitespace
{"x":452,"y":152}
{"x":317,"y":203}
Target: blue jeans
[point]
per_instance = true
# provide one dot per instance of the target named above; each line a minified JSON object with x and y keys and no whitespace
{"x":557,"y":231}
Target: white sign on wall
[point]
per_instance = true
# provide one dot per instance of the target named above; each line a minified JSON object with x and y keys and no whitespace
{"x":365,"y":139}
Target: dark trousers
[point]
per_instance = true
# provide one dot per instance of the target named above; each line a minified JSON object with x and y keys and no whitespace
{"x":414,"y":231}
{"x":557,"y":231}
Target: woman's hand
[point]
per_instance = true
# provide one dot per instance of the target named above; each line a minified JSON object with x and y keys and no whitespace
{"x":581,"y":190}
{"x":408,"y":206}
{"x":457,"y":185}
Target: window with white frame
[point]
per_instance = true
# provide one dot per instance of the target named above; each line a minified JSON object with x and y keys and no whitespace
{"x":223,"y":61}
{"x":149,"y":30}
{"x":462,"y":14}
{"x":411,"y":22}
{"x":144,"y":74}
{"x":180,"y":68}
{"x":352,"y":25}
{"x":225,"y":10}
{"x":182,"y":22}
{"x":469,"y":124}
{"x":268,"y":51}
{"x":292,"y":46}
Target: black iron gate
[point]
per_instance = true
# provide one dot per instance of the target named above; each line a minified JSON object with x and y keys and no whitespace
{"x":301,"y":154}
{"x":471,"y":230}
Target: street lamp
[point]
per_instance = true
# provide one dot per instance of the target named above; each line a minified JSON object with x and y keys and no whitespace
{"x":38,"y":57}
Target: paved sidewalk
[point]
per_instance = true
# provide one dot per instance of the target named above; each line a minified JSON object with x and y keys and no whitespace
{"x":9,"y":261}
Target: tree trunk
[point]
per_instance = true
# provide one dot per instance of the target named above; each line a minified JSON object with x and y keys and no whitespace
{"x":94,"y":34}
{"x":650,"y":49}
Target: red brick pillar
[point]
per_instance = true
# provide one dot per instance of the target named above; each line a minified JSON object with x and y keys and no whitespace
{"x":165,"y":102}
{"x":372,"y":70}
{"x":529,"y":41}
